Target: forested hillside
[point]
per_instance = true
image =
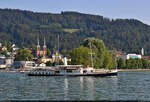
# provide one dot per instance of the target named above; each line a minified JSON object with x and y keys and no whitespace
{"x":23,"y":28}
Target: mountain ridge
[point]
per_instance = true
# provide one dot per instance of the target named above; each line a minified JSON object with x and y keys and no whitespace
{"x":23,"y":27}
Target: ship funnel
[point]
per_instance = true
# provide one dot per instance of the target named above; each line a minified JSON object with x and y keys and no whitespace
{"x":65,"y":61}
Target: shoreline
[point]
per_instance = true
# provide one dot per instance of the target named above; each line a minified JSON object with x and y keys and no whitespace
{"x":119,"y":70}
{"x":140,"y":69}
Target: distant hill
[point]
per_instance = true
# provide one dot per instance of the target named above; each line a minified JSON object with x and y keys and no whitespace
{"x":23,"y":28}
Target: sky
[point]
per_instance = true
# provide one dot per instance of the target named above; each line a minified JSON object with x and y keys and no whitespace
{"x":125,"y":9}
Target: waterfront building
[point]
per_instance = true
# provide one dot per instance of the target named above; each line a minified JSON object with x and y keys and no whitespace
{"x":128,"y":56}
{"x":56,"y":56}
{"x":25,"y":64}
{"x":133,"y":56}
{"x":121,"y":54}
{"x":2,"y":56}
{"x":2,"y":63}
{"x":44,"y":59}
{"x":5,"y":62}
{"x":9,"y":62}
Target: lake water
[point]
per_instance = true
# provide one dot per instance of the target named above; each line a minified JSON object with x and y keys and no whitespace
{"x":129,"y":85}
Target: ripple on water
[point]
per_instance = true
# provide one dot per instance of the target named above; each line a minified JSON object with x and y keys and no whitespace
{"x":127,"y":86}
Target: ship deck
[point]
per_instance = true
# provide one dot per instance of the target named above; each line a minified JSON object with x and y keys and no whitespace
{"x":86,"y":74}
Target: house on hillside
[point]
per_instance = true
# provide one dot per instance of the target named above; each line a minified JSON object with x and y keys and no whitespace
{"x":133,"y":56}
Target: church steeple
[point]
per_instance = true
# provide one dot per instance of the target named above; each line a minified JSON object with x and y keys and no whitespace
{"x":38,"y":44}
{"x":41,"y":51}
{"x":44,"y":42}
{"x":142,"y":51}
{"x":44,"y":48}
{"x":38,"y":48}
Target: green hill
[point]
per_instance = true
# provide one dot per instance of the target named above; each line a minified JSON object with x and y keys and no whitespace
{"x":23,"y":28}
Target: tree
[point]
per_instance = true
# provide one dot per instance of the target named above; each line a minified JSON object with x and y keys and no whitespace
{"x":22,"y":27}
{"x":131,"y":63}
{"x":4,"y":53}
{"x":24,"y":55}
{"x":80,"y":55}
{"x":48,"y":63}
{"x":48,"y":52}
{"x":138,"y":63}
{"x":108,"y":60}
{"x":121,"y":63}
{"x":61,"y":62}
{"x":65,"y":52}
{"x":102,"y":57}
{"x":145,"y":63}
{"x":9,"y":46}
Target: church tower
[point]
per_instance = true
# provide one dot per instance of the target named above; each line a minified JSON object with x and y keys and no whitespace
{"x":142,"y":52}
{"x":44,"y":48}
{"x":38,"y":48}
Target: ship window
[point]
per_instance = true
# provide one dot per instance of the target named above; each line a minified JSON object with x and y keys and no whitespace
{"x":84,"y":71}
{"x":56,"y":71}
{"x":69,"y":71}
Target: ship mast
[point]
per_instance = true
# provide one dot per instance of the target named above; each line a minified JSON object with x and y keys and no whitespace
{"x":91,"y":55}
{"x":58,"y":50}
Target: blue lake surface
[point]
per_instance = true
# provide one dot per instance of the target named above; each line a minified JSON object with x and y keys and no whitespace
{"x":129,"y":85}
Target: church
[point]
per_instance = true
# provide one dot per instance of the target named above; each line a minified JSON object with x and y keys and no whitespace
{"x":41,"y":52}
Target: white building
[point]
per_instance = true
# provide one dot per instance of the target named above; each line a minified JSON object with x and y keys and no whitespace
{"x":25,"y":64}
{"x":2,"y":63}
{"x":2,"y":56}
{"x":128,"y":56}
{"x":9,"y":62}
{"x":133,"y":56}
{"x":56,"y":56}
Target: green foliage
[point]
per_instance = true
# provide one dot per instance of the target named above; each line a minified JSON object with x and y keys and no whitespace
{"x":134,"y":63}
{"x":69,"y":62}
{"x":121,"y":63}
{"x":102,"y":57}
{"x":48,"y":52}
{"x":71,"y":30}
{"x":145,"y":63}
{"x":23,"y":27}
{"x":61,"y":62}
{"x":4,"y":53}
{"x":9,"y":47}
{"x":49,"y":63}
{"x":81,"y":56}
{"x":65,"y":52}
{"x":58,"y":63}
{"x":24,"y":55}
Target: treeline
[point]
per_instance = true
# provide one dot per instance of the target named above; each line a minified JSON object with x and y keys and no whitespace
{"x":23,"y":28}
{"x":95,"y":48}
{"x":133,"y":63}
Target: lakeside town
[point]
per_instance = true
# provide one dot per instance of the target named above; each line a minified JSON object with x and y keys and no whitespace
{"x":41,"y":58}
{"x":70,"y":50}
